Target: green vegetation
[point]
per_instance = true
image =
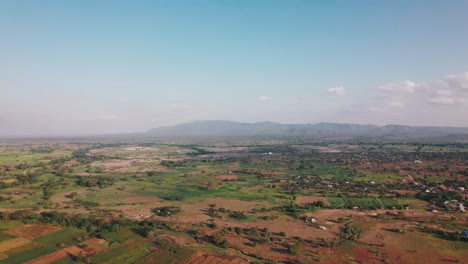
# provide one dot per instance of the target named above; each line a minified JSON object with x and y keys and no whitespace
{"x":162,"y":203}
{"x":166,"y":253}
{"x":166,"y":210}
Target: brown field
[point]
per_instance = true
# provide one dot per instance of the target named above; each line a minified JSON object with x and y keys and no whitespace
{"x":115,"y":165}
{"x":404,"y":247}
{"x":212,"y":259}
{"x":179,"y":240}
{"x":265,"y":251}
{"x":55,"y":256}
{"x":13,"y":243}
{"x":228,"y":177}
{"x":62,"y":197}
{"x":97,"y":244}
{"x":292,"y":227}
{"x":8,"y":180}
{"x":334,"y":255}
{"x":196,"y":212}
{"x":32,"y":231}
{"x":94,"y":245}
{"x":133,"y":200}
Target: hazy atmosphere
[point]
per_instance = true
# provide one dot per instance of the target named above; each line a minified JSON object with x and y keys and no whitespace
{"x":96,"y":67}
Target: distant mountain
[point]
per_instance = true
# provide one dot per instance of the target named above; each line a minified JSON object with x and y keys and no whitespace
{"x":319,"y":130}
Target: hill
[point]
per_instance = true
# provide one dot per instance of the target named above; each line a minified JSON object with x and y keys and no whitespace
{"x":319,"y":130}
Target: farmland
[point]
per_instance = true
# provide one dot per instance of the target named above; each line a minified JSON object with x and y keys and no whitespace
{"x":245,"y":201}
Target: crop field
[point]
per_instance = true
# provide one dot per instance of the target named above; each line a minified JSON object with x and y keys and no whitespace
{"x":127,"y":252}
{"x":236,"y":202}
{"x":13,"y":243}
{"x":32,"y":231}
{"x":169,"y":255}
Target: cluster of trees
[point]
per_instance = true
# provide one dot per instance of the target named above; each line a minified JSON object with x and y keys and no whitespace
{"x":28,"y":178}
{"x":95,"y":226}
{"x":218,"y":240}
{"x":238,"y":215}
{"x":213,"y":213}
{"x":196,"y":150}
{"x":294,"y":210}
{"x":42,"y":149}
{"x":47,"y":188}
{"x":441,"y":233}
{"x":99,"y":181}
{"x":440,"y":197}
{"x":16,"y":215}
{"x":351,"y":232}
{"x":166,"y":210}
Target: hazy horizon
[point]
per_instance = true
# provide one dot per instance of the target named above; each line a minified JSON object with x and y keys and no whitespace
{"x":108,"y":67}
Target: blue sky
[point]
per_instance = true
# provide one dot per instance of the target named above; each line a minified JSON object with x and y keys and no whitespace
{"x":87,"y":67}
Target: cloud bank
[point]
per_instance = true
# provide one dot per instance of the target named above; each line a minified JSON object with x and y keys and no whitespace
{"x":443,"y":101}
{"x":338,"y":91}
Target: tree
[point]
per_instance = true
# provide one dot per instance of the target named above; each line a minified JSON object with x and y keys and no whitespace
{"x":294,"y":249}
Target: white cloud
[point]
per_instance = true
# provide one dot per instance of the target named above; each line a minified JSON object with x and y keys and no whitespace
{"x":265,"y":98}
{"x":449,"y":90}
{"x":180,"y":107}
{"x":339,"y":90}
{"x":404,"y":87}
{"x":443,"y":101}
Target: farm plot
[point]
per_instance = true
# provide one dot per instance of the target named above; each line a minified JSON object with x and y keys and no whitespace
{"x":128,"y":252}
{"x":201,"y":259}
{"x":41,"y":246}
{"x":365,"y":203}
{"x":10,"y":244}
{"x":32,"y":231}
{"x":94,"y":245}
{"x":167,"y":256}
{"x":55,"y":256}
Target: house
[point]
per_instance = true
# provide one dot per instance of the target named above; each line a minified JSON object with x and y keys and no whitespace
{"x":322,"y":227}
{"x":462,"y":208}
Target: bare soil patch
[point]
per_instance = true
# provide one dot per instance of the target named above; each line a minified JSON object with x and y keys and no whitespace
{"x":63,"y":197}
{"x":8,"y":180}
{"x":197,"y":212}
{"x":32,"y":231}
{"x":55,"y":256}
{"x":292,"y":227}
{"x":228,"y":177}
{"x":212,"y":259}
{"x":267,"y":252}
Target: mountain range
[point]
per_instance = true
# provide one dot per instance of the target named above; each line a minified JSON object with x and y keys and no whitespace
{"x":318,"y":130}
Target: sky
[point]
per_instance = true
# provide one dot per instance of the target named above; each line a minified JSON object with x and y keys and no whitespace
{"x":98,"y":67}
